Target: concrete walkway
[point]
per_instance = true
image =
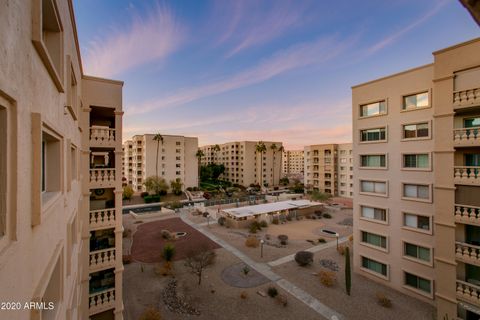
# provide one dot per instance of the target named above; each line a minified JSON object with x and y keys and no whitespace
{"x":317,"y":248}
{"x":266,"y":270}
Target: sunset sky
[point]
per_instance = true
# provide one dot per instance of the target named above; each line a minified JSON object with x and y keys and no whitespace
{"x":257,"y":70}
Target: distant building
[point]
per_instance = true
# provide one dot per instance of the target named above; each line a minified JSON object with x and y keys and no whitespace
{"x":242,"y":163}
{"x":176,"y":159}
{"x":292,"y":162}
{"x":345,"y":170}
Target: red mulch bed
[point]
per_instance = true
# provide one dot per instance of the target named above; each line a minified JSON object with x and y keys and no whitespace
{"x":148,"y":242}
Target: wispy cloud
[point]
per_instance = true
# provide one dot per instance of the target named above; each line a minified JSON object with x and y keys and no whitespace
{"x":297,"y":56}
{"x":146,"y":39}
{"x":395,"y":36}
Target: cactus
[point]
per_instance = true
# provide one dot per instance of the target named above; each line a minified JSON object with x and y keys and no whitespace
{"x":348,"y":271}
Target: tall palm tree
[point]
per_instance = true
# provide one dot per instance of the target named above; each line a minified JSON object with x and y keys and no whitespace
{"x":281,"y":150}
{"x":199,"y":156}
{"x":216,"y":148}
{"x":260,"y":148}
{"x":158,"y":137}
{"x":274,"y":148}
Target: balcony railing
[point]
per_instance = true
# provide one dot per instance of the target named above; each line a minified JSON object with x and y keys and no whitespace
{"x":103,"y":218}
{"x":101,"y":301}
{"x":102,"y":134}
{"x":102,"y":176}
{"x":467,"y":175}
{"x":465,"y":98}
{"x":102,"y":259}
{"x":466,"y":136}
{"x":467,"y":253}
{"x":468,"y":292}
{"x":467,"y":214}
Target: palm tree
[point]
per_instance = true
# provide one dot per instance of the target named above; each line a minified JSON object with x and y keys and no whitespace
{"x":261,"y":148}
{"x":199,"y":156}
{"x":273,"y":147}
{"x":281,"y":150}
{"x":215,"y":149}
{"x":158,"y":137}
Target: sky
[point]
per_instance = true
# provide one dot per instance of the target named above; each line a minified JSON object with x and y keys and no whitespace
{"x":272,"y":70}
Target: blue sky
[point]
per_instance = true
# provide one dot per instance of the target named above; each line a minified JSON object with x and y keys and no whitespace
{"x":257,"y":70}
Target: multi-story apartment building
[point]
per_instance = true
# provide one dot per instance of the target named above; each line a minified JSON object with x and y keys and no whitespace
{"x":321,"y":168}
{"x":60,"y":196}
{"x":292,"y":162}
{"x":416,"y":155}
{"x":176,"y":159}
{"x":242,"y":163}
{"x":345,"y":170}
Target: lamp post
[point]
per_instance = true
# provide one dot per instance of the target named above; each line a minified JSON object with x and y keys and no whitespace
{"x":337,"y":235}
{"x":261,"y":248}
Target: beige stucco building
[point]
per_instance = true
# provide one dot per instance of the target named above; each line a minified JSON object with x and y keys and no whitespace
{"x":345,"y":170}
{"x":176,"y":159}
{"x":60,"y":144}
{"x":242,"y":165}
{"x":416,"y":166}
{"x":292,"y":162}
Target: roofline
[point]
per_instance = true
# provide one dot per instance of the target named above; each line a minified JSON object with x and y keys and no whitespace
{"x":242,"y":141}
{"x":75,"y":34}
{"x":458,"y":45}
{"x":111,"y":81}
{"x":393,"y":75}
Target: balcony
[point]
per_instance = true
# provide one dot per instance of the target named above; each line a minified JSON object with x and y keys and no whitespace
{"x":467,"y":175}
{"x":467,"y":214}
{"x":102,"y":136}
{"x":103,"y":218}
{"x":101,"y":301}
{"x":466,"y":137}
{"x":102,"y":259}
{"x":468,"y":292}
{"x":466,"y":98}
{"x":467,"y":253}
{"x":101,"y":178}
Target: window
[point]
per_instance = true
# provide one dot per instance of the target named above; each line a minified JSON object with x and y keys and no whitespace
{"x":50,"y":164}
{"x":178,"y":143}
{"x":178,"y":173}
{"x":417,"y":252}
{"x":418,"y":283}
{"x":374,"y":239}
{"x":414,"y":131}
{"x":373,"y":187}
{"x":373,"y":213}
{"x":411,"y":220}
{"x":378,"y":134}
{"x":374,"y":266}
{"x":177,"y":150}
{"x":416,"y":191}
{"x":3,"y":169}
{"x":373,"y":161}
{"x":417,"y":161}
{"x":373,"y":109}
{"x":415,"y":101}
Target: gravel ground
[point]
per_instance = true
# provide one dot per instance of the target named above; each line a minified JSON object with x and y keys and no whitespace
{"x":235,"y":276}
{"x":362,"y":303}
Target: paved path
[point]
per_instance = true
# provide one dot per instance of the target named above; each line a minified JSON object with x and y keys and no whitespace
{"x":266,"y":270}
{"x":314,"y":249}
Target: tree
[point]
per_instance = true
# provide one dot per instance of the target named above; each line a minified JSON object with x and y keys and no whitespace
{"x":260,"y":148}
{"x":284,"y":181}
{"x":211,"y":172}
{"x":156,"y":185}
{"x":215,"y":149}
{"x":127,"y":192}
{"x":200,"y":154}
{"x":158,"y":137}
{"x":198,"y":261}
{"x":176,"y":186}
{"x":320,"y":196}
{"x":168,"y":252}
{"x":348,"y":271}
{"x":281,"y":150}
{"x":274,"y":148}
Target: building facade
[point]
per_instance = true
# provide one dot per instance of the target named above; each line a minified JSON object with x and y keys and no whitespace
{"x":416,"y":163}
{"x":242,"y":163}
{"x":176,"y":159}
{"x":60,"y":144}
{"x":292,"y":162}
{"x":345,"y":170}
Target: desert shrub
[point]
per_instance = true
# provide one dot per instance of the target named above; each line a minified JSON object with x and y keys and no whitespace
{"x":168,"y":252}
{"x":272,"y":292}
{"x":151,"y":314}
{"x":327,"y":216}
{"x":282,"y":237}
{"x":282,"y":299}
{"x":254,"y":227}
{"x":322,"y":240}
{"x":126,"y":233}
{"x":221,"y":221}
{"x":350,"y":238}
{"x":327,"y":278}
{"x":163,"y":270}
{"x":166,"y":234}
{"x":143,"y":194}
{"x":245,"y":270}
{"x":127,"y":192}
{"x":243,"y":295}
{"x":263,"y":224}
{"x":275,"y":221}
{"x":252,"y":242}
{"x":304,"y":258}
{"x":383,"y":300}
{"x":283,"y":242}
{"x":126,"y":258}
{"x":341,"y":249}
{"x":151,"y":198}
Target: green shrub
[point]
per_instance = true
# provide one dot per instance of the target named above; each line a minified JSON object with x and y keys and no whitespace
{"x":168,"y":252}
{"x":151,"y":198}
{"x":272,"y":292}
{"x":221,"y":221}
{"x":143,"y":194}
{"x":322,"y":240}
{"x":327,"y":216}
{"x":304,"y":258}
{"x":263,"y":224}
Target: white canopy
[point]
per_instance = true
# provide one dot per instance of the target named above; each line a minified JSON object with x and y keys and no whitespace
{"x":269,"y":208}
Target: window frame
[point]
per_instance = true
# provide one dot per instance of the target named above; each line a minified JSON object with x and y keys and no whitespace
{"x":416,"y":290}
{"x":360,"y":141}
{"x":417,"y":259}
{"x":360,"y":116}
{"x":383,"y":222}
{"x":402,"y":130}
{"x":430,"y":223}
{"x":376,"y":274}
{"x":415,"y":93}
{"x":360,"y":180}
{"x":379,"y":248}
{"x":373,"y":168}
{"x":430,"y":161}
{"x":430,"y":192}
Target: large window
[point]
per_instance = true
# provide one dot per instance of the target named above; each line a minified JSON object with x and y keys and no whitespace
{"x":415,"y":221}
{"x":374,"y":266}
{"x":374,"y":239}
{"x":373,"y":213}
{"x":373,"y":161}
{"x":373,"y":187}
{"x":50,"y":164}
{"x":416,"y":252}
{"x":377,"y":134}
{"x":418,"y":283}
{"x":417,"y":130}
{"x":416,"y":191}
{"x":416,"y":161}
{"x":415,"y":101}
{"x":373,"y":109}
